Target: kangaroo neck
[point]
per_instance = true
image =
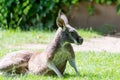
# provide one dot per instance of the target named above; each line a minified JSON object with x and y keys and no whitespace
{"x":56,"y":43}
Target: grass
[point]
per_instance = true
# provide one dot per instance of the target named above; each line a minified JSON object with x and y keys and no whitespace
{"x":11,"y":37}
{"x":87,"y":34}
{"x":16,"y":38}
{"x":91,"y":65}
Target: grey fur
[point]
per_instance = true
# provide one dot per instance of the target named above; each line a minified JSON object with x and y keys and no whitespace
{"x":52,"y":60}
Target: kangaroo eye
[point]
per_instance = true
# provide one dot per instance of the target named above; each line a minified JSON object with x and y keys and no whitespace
{"x":71,"y":32}
{"x":66,"y":34}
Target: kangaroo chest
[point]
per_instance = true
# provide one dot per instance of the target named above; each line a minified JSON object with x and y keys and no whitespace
{"x":61,"y":56}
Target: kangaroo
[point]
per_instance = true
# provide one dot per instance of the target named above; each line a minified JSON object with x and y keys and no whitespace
{"x":16,"y":62}
{"x":54,"y":58}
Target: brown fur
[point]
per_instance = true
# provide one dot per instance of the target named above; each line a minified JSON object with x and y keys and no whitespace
{"x":52,"y":60}
{"x":58,"y":52}
{"x":16,"y":61}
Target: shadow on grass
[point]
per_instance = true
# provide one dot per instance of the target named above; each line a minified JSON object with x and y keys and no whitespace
{"x":105,"y":30}
{"x":87,"y":75}
{"x":90,"y":75}
{"x":66,"y":75}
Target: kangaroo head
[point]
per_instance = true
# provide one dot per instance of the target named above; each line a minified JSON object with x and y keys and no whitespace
{"x":69,"y":34}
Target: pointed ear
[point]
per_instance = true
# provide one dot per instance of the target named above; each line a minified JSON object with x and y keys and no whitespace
{"x":60,"y":22}
{"x":61,"y":19}
{"x":63,"y":16}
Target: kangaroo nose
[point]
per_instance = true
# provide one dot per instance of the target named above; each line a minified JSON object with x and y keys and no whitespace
{"x":81,"y":40}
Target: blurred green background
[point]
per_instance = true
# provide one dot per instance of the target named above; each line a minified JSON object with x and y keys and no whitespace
{"x":37,"y":14}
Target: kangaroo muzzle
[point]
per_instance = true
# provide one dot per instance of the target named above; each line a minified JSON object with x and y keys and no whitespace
{"x":79,"y":40}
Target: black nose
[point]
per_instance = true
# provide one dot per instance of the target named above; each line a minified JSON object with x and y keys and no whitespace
{"x":81,"y":40}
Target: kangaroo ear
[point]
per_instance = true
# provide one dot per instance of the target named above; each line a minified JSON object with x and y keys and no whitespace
{"x":61,"y":20}
{"x":63,"y":16}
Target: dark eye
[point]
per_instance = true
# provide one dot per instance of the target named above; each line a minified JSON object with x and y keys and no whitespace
{"x":67,"y":34}
{"x":72,"y":32}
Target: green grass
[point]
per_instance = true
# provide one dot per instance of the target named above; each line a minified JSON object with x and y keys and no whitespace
{"x":87,"y":34}
{"x":91,"y":65}
{"x":16,"y":38}
{"x":11,"y":37}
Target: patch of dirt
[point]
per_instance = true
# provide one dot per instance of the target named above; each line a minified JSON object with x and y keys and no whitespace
{"x":106,"y":43}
